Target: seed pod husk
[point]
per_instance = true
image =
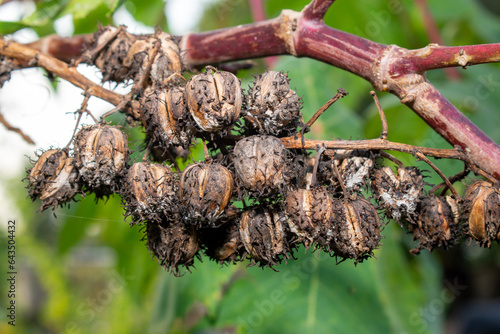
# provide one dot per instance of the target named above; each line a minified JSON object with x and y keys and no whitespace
{"x":173,"y":244}
{"x":165,"y":115}
{"x":399,"y":193}
{"x":224,"y":244}
{"x":356,"y":231}
{"x":309,"y":211}
{"x":271,"y":107}
{"x":102,"y":154}
{"x":354,"y":170}
{"x":260,"y":164}
{"x":482,"y":209}
{"x":262,"y":231}
{"x":205,"y":191}
{"x":214,"y":99}
{"x":437,"y":223}
{"x":150,"y":192}
{"x":167,"y":62}
{"x":53,"y":179}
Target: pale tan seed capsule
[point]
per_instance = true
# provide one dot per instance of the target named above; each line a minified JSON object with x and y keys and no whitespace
{"x":205,"y":191}
{"x":214,"y":99}
{"x":483,"y":207}
{"x":46,"y":169}
{"x":260,"y":163}
{"x":102,"y":153}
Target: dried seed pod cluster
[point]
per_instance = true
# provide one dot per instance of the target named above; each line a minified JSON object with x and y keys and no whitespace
{"x":255,"y":196}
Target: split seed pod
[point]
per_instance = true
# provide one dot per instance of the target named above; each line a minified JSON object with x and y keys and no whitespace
{"x":164,"y":116}
{"x":309,"y":211}
{"x":399,"y":193}
{"x":205,"y":191}
{"x":271,"y":106}
{"x":102,"y":154}
{"x":214,"y":99}
{"x":53,"y":179}
{"x":437,"y":224}
{"x":260,"y":163}
{"x":356,"y":232}
{"x":173,"y":244}
{"x":224,"y":244}
{"x":354,"y":170}
{"x":150,"y":191}
{"x":262,"y":231}
{"x":483,"y":209}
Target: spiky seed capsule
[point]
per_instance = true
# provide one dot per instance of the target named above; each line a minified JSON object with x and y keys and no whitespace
{"x":150,"y":192}
{"x":205,"y":191}
{"x":308,"y":212}
{"x":102,"y":153}
{"x":53,"y":179}
{"x":262,"y":231}
{"x":399,"y":193}
{"x":482,"y":202}
{"x":214,"y":99}
{"x":357,"y":231}
{"x":437,"y":224}
{"x":354,"y":171}
{"x":260,"y":163}
{"x":224,"y":244}
{"x":164,"y":116}
{"x":167,"y":62}
{"x":173,"y":244}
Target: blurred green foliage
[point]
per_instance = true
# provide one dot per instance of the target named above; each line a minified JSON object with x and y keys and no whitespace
{"x":84,"y":270}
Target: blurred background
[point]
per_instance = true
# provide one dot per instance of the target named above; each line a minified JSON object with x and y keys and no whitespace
{"x":84,"y":270}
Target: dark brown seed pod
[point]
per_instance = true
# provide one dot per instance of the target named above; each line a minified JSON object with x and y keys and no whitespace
{"x":399,"y":193}
{"x":224,"y":244}
{"x":271,"y":107}
{"x":102,"y":154}
{"x":437,"y":223}
{"x":482,"y":209}
{"x":262,"y":231}
{"x":260,"y":164}
{"x":173,"y":244}
{"x":150,"y":192}
{"x":309,"y":211}
{"x":214,"y":99}
{"x":53,"y":179}
{"x":354,"y":170}
{"x":165,"y":115}
{"x":205,"y":191}
{"x":356,"y":232}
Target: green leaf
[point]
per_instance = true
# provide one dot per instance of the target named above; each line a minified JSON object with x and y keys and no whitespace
{"x":10,"y":27}
{"x":150,"y":13}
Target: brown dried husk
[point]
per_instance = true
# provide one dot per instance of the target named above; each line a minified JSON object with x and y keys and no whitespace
{"x":150,"y":192}
{"x":355,"y":230}
{"x":102,"y":154}
{"x":165,"y":117}
{"x":173,"y":244}
{"x":401,"y":193}
{"x":309,"y":211}
{"x":53,"y":179}
{"x":224,"y":244}
{"x":354,"y":169}
{"x":205,"y":191}
{"x":482,"y":211}
{"x":271,"y":107}
{"x":263,"y":233}
{"x":214,"y":99}
{"x":260,"y":164}
{"x":437,"y":224}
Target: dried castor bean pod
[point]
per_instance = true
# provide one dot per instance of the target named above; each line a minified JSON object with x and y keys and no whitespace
{"x":309,"y":211}
{"x":173,"y":244}
{"x":271,"y":107}
{"x":262,"y":231}
{"x":437,"y":223}
{"x":205,"y":191}
{"x":164,"y":115}
{"x":354,"y":171}
{"x":356,"y":230}
{"x":482,"y":207}
{"x":167,"y":62}
{"x":102,"y":154}
{"x":150,"y":192}
{"x":399,"y":193}
{"x":53,"y":179}
{"x":260,"y":164}
{"x":224,"y":244}
{"x":214,"y":99}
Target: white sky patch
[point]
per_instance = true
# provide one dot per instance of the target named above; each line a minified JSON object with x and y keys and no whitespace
{"x":183,"y":16}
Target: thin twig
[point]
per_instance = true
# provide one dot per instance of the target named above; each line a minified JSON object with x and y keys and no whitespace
{"x":385,"y":128}
{"x":420,"y":156}
{"x":339,"y":178}
{"x":80,"y":112}
{"x":457,"y":177}
{"x":9,"y":127}
{"x":316,"y":164}
{"x":392,"y":158}
{"x":340,"y":94}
